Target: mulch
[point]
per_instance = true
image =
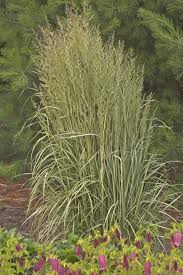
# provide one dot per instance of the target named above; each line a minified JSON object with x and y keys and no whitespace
{"x":14,"y":198}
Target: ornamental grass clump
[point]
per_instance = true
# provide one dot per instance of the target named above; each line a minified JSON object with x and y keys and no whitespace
{"x":91,"y":162}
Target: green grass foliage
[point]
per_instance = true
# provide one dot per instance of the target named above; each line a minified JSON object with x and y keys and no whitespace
{"x":10,"y":170}
{"x":91,"y":161}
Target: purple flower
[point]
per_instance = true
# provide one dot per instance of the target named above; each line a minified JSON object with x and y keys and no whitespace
{"x":21,"y":261}
{"x":39,"y":265}
{"x":78,"y":249}
{"x":95,"y":243}
{"x":54,"y":264}
{"x":18,"y":248}
{"x":177,"y":269}
{"x":149,"y":237}
{"x":102,"y":262}
{"x":104,"y":239}
{"x":175,"y":265}
{"x":147,"y":268}
{"x":133,"y":256}
{"x":61,"y":270}
{"x":118,"y":234}
{"x":68,"y":272}
{"x":57,"y":267}
{"x":176,"y":239}
{"x":137,"y":244}
{"x":83,"y":254}
{"x":125,"y":262}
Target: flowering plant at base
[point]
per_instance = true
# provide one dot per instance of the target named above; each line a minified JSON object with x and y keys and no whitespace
{"x":107,"y":253}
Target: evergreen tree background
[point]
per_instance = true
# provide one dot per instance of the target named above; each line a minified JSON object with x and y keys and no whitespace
{"x":19,"y":20}
{"x":153,"y":28}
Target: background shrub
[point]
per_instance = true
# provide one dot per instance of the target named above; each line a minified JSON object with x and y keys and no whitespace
{"x":152,"y":28}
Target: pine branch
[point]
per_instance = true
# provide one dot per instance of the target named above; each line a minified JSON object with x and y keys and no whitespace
{"x":173,"y":7}
{"x":168,"y":40}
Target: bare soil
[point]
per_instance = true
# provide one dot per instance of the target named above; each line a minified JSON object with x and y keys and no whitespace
{"x":14,"y":198}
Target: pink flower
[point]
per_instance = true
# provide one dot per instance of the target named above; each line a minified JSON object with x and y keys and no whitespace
{"x":118,"y":234}
{"x":21,"y":261}
{"x":149,"y":237}
{"x":147,"y":268}
{"x":61,"y":270}
{"x":78,"y":249}
{"x":55,"y":265}
{"x":95,"y":243}
{"x":125,"y":262}
{"x":176,"y":239}
{"x":18,"y":248}
{"x":68,"y":272}
{"x":133,"y":256}
{"x":39,"y":265}
{"x":102,"y":262}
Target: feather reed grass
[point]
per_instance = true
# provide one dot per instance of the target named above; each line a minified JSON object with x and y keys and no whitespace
{"x":91,"y":161}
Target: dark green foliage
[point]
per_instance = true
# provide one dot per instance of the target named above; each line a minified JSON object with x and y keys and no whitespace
{"x":19,"y":21}
{"x":153,"y":28}
{"x":168,"y":42}
{"x":10,"y":171}
{"x":147,"y":26}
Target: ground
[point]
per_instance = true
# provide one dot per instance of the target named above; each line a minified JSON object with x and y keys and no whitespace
{"x":14,"y":199}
